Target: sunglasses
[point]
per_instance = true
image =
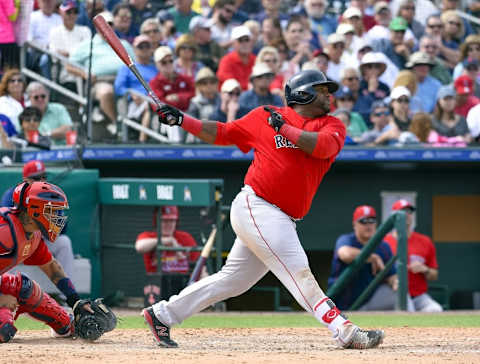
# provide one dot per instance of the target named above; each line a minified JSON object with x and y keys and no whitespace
{"x":151,"y":31}
{"x":229,"y":11}
{"x":367,"y":220}
{"x":378,"y":114}
{"x":435,"y":26}
{"x":345,"y":99}
{"x":403,"y":100}
{"x":273,"y":60}
{"x":30,"y":120}
{"x":234,"y":93}
{"x":338,"y":45}
{"x":170,"y":61}
{"x":72,"y":11}
{"x":454,"y":23}
{"x":244,"y":39}
{"x":144,"y":46}
{"x":15,"y":80}
{"x":350,"y":79}
{"x":372,"y":65}
{"x":37,"y":97}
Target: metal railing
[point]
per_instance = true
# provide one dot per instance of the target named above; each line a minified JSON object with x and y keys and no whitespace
{"x":396,"y":221}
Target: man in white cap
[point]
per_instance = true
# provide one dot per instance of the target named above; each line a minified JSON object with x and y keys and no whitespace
{"x":239,"y":63}
{"x":261,"y":78}
{"x":335,"y":48}
{"x":229,"y":108}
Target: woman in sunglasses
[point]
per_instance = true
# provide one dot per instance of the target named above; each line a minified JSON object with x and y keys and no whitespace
{"x":12,"y":88}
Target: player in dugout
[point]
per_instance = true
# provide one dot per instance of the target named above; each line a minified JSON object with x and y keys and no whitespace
{"x":175,"y":265}
{"x":294,"y":147}
{"x":38,"y":214}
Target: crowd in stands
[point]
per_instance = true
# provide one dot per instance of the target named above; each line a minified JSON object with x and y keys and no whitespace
{"x":408,"y":70}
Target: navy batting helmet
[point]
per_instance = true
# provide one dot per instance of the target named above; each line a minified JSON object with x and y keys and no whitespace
{"x":299,"y":89}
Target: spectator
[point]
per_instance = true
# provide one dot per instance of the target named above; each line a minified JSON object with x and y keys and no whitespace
{"x":204,"y":103}
{"x":61,"y":248}
{"x":174,"y":264}
{"x":434,"y":27}
{"x":297,"y":37}
{"x":422,"y":127}
{"x":287,"y":67}
{"x":407,"y":78}
{"x":344,"y":116}
{"x":321,"y":59}
{"x":105,"y":65}
{"x":421,"y":262}
{"x":395,"y":47}
{"x":381,"y":133}
{"x":133,"y":106}
{"x":347,"y":248}
{"x":56,"y":120}
{"x":66,"y":37}
{"x":431,"y":46}
{"x":171,"y":87}
{"x":229,"y":108}
{"x":344,"y":100}
{"x":407,"y":12}
{"x":151,"y":28}
{"x":453,"y":29}
{"x":400,"y":101}
{"x":270,"y":56}
{"x":221,"y":23}
{"x":453,"y":6}
{"x":29,"y":120}
{"x":238,"y":64}
{"x":383,"y":17}
{"x":350,"y":78}
{"x":254,"y":27}
{"x":427,"y":86}
{"x":182,"y":14}
{"x":323,"y":23}
{"x":469,"y":49}
{"x":122,"y":21}
{"x":185,"y":52}
{"x":353,"y":16}
{"x":208,"y":51}
{"x":87,"y":12}
{"x":141,"y":10}
{"x":12,"y":88}
{"x":271,"y":31}
{"x":473,"y":121}
{"x":167,"y":25}
{"x":348,"y":31}
{"x":271,"y":9}
{"x":260,"y":94}
{"x":368,"y":21}
{"x":465,"y":99}
{"x":335,"y":48}
{"x":371,"y":88}
{"x":9,"y":50}
{"x":470,"y":68}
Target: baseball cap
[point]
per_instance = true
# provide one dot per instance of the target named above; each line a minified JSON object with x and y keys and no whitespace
{"x":343,"y":92}
{"x":379,"y":104}
{"x":399,"y":91}
{"x":261,"y":69}
{"x":142,"y":38}
{"x":464,"y":85}
{"x":108,"y":16}
{"x":199,"y":22}
{"x":402,"y":204}
{"x":345,"y":28}
{"x":351,"y":12}
{"x":161,"y":53}
{"x":335,"y":38}
{"x":34,"y":168}
{"x":444,"y":91}
{"x":68,"y":4}
{"x":419,"y":58}
{"x":230,"y":85}
{"x":364,"y":211}
{"x":205,"y":73}
{"x":381,"y":5}
{"x":240,"y":31}
{"x":170,"y":212}
{"x":398,"y":23}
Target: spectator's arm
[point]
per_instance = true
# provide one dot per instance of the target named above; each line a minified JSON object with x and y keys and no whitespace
{"x":452,"y":56}
{"x":347,"y":254}
{"x":393,"y":282}
{"x":431,"y":274}
{"x":60,"y":132}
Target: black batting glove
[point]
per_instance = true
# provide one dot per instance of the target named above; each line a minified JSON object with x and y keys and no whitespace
{"x":275,"y":119}
{"x":169,"y":115}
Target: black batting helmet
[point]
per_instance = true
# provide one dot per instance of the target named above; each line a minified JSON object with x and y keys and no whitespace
{"x":299,"y":89}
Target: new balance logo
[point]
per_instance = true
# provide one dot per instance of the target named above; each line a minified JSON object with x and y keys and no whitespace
{"x":282,"y":142}
{"x":161,"y":330}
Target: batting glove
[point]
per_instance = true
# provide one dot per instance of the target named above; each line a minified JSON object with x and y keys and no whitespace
{"x":275,"y":119}
{"x":169,"y":115}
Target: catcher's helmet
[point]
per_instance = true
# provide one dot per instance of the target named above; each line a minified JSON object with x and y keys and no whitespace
{"x":45,"y":204}
{"x":299,"y":89}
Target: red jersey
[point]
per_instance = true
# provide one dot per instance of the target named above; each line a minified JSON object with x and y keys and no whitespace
{"x":281,"y":173}
{"x":421,"y":249}
{"x":182,"y":85}
{"x":16,"y":248}
{"x":170,"y":262}
{"x":231,"y":66}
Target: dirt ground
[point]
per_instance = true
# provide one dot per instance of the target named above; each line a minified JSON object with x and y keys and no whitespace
{"x":212,"y":346}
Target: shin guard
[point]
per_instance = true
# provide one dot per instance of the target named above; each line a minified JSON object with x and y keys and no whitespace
{"x":7,"y":329}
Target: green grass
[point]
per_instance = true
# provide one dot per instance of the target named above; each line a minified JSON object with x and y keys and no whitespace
{"x":294,"y":320}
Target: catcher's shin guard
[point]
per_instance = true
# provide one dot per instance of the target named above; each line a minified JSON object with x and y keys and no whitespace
{"x":7,"y":329}
{"x":42,"y":307}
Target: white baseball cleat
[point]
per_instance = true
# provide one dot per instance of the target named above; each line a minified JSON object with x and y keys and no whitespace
{"x":350,"y":336}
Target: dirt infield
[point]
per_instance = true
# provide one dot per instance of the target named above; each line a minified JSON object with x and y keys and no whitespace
{"x":212,"y":346}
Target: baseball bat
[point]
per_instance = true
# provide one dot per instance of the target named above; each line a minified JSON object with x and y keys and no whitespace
{"x":203,"y":257}
{"x":112,"y":39}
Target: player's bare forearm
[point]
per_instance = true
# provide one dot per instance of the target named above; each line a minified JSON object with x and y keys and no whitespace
{"x":307,"y":141}
{"x":53,"y":270}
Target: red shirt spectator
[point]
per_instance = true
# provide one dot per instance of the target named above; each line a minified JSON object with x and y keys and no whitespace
{"x":465,"y":98}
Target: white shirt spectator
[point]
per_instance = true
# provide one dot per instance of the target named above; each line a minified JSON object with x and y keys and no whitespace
{"x":473,"y":121}
{"x":12,"y":108}
{"x":41,"y":25}
{"x":221,"y":35}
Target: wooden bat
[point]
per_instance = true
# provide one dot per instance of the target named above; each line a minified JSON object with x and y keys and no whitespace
{"x":203,"y":257}
{"x":112,"y":39}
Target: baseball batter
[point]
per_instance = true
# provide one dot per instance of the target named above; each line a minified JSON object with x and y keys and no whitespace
{"x":38,"y":213}
{"x":293,"y":147}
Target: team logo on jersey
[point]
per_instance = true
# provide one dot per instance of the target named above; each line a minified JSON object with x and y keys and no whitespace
{"x":282,"y":142}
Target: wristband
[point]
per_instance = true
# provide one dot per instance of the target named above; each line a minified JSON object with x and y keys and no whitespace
{"x":192,"y":125}
{"x":66,"y":286}
{"x":290,"y":132}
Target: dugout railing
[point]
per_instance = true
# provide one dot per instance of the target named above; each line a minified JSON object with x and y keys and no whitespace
{"x":396,"y":221}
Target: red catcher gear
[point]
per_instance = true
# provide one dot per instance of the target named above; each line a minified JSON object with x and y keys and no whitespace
{"x":44,"y":203}
{"x":33,"y":168}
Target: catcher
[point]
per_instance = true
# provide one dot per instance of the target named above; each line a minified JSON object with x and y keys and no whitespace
{"x":38,"y":213}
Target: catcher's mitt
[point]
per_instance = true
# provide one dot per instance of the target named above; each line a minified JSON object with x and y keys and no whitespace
{"x":90,"y":326}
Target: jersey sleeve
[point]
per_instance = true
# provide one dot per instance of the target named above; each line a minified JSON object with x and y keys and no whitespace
{"x":41,"y":255}
{"x":330,"y":139}
{"x":240,"y":132}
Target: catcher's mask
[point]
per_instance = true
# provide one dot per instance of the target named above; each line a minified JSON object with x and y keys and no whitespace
{"x":45,"y":204}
